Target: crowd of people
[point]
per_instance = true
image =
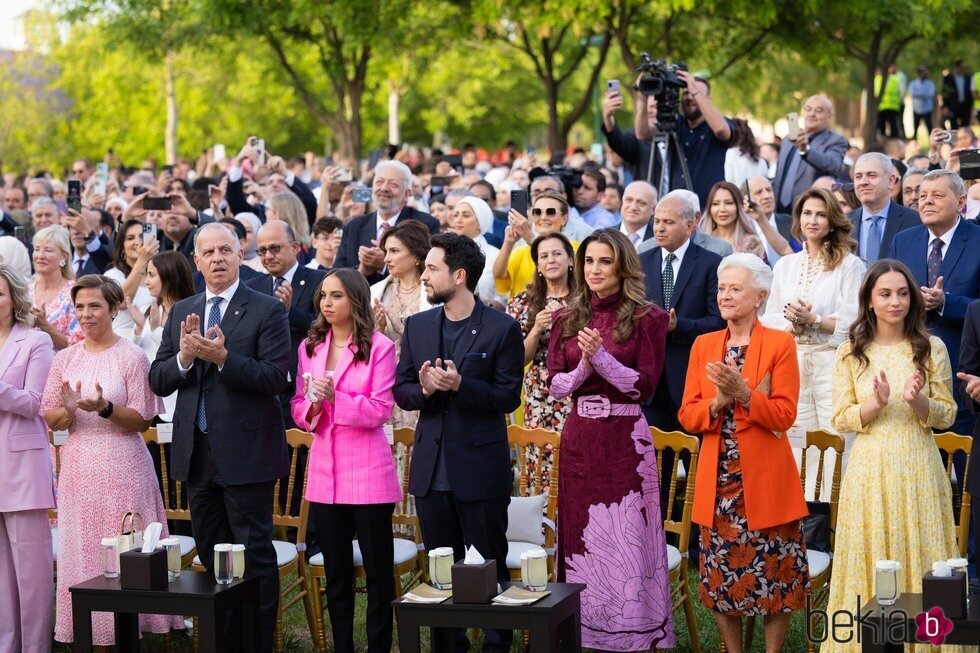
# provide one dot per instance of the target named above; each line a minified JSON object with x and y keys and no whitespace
{"x":821,"y":288}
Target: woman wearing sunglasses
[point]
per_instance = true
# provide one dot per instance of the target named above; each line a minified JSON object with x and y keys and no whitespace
{"x":514,"y":269}
{"x":844,"y":192}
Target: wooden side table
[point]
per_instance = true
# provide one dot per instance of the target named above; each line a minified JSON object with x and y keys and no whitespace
{"x":882,"y":625}
{"x":192,"y":594}
{"x":554,"y":622}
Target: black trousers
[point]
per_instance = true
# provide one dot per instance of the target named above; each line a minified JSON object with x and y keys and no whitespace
{"x":888,"y":124}
{"x":371,"y":525}
{"x":235,"y":514}
{"x":925,"y":118}
{"x":447,"y":521}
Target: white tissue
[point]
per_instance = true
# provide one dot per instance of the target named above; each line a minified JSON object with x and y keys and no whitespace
{"x":310,"y":397}
{"x":151,"y":536}
{"x":473,"y":557}
{"x":941,"y":570}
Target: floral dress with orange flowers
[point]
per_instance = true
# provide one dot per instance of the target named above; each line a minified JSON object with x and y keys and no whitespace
{"x":748,"y":572}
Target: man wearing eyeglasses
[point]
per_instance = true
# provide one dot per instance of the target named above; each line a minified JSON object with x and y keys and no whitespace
{"x":81,"y":170}
{"x":817,"y":151}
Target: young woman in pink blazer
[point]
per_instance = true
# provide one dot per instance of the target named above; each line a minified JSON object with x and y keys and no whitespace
{"x":352,"y":485}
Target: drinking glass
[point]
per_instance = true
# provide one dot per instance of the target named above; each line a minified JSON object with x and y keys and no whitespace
{"x":223,"y":564}
{"x":109,"y":555}
{"x":238,"y":560}
{"x":886,"y":581}
{"x":172,"y":546}
{"x":960,"y":564}
{"x":441,"y":567}
{"x":534,"y":569}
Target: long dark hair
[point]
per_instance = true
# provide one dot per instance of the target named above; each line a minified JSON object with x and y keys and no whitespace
{"x":863,"y":329}
{"x":176,"y":276}
{"x":537,"y":290}
{"x":359,"y":293}
{"x":838,"y":243}
{"x":634,"y":304}
{"x":119,"y":247}
{"x":744,"y":139}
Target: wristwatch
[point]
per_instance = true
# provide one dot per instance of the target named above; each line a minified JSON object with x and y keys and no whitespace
{"x":816,"y":321}
{"x":106,"y":412}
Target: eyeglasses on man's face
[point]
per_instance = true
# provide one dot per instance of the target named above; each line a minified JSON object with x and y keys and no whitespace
{"x":271,"y":249}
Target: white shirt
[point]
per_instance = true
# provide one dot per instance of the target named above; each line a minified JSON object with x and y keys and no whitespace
{"x":123,"y":324}
{"x":485,"y":287}
{"x":378,"y":221}
{"x":739,"y":166}
{"x":676,"y":263}
{"x":226,"y":295}
{"x":288,"y":276}
{"x":625,"y":232}
{"x":946,"y":239}
{"x":771,"y":254}
{"x":834,"y":294}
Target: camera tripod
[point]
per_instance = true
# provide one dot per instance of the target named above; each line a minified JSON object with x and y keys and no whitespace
{"x":670,"y":140}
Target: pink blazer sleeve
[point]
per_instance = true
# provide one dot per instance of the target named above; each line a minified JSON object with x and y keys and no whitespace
{"x":371,"y":405}
{"x":299,"y":406}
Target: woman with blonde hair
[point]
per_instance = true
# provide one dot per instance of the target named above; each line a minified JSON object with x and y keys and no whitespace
{"x":725,"y":218}
{"x":50,"y":291}
{"x":814,"y":297}
{"x":288,"y":208}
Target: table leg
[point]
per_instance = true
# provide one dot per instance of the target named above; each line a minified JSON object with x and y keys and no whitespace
{"x":207,"y":624}
{"x":127,"y":632}
{"x":571,"y":632}
{"x":443,"y":640}
{"x":542,"y":638}
{"x":409,"y":640}
{"x":81,"y":619}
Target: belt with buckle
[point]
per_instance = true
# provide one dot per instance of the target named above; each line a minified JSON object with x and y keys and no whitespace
{"x":599,"y":407}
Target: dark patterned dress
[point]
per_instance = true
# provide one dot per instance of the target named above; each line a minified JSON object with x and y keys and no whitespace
{"x":541,"y":409}
{"x":610,"y":534}
{"x":746,"y":572}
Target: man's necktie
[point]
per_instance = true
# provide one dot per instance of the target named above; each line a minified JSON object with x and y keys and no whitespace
{"x":935,"y":261}
{"x":873,"y":246}
{"x":79,"y":266}
{"x":635,"y":238}
{"x":277,"y":283}
{"x":214,"y":319}
{"x":385,"y":226}
{"x":668,"y":279}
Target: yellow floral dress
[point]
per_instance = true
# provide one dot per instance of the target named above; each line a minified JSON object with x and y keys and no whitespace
{"x":895,"y":498}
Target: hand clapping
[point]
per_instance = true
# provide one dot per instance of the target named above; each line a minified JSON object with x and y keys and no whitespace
{"x":323,"y":389}
{"x":881,"y":389}
{"x":913,"y":386}
{"x":728,"y":381}
{"x":435,"y":377}
{"x":92,"y":405}
{"x":589,"y":341}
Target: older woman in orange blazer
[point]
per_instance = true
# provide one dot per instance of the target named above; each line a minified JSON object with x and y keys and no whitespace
{"x":741,"y":393}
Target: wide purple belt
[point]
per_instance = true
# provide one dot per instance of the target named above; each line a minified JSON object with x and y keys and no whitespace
{"x":599,"y":407}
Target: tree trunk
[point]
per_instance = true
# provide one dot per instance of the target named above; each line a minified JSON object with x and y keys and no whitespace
{"x":870,"y":130}
{"x":556,"y":139}
{"x":170,"y":135}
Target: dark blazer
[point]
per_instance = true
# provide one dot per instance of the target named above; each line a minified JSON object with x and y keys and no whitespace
{"x":238,"y":203}
{"x":185,"y":247}
{"x":970,"y":363}
{"x":647,"y":231}
{"x":301,"y":314}
{"x":960,"y":272}
{"x":97,"y":262}
{"x":363,"y":229}
{"x":825,"y":157}
{"x":245,"y":273}
{"x":635,"y":153}
{"x":472,"y":422}
{"x":695,"y":303}
{"x":898,"y":218}
{"x":245,"y":426}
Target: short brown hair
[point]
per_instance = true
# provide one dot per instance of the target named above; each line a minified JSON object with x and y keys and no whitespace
{"x":111,"y":291}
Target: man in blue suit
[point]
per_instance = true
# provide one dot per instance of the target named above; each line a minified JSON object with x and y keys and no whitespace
{"x":879,"y":218}
{"x":681,"y":278}
{"x":944,"y":256}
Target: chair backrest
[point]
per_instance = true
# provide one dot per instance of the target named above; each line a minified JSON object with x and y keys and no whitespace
{"x":678,"y":442}
{"x":824,"y":442}
{"x":405,"y":521}
{"x":952,"y":444}
{"x":283,"y":513}
{"x":175,"y":504}
{"x":536,"y":444}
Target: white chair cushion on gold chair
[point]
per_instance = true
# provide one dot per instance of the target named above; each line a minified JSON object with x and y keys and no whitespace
{"x":405,"y":551}
{"x":817,"y":561}
{"x":524,"y":515}
{"x":285,"y":553}
{"x":187,"y":543}
{"x":673,"y":557}
{"x":514,"y":551}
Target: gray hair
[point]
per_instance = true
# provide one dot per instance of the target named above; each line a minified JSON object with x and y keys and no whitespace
{"x":688,"y":212}
{"x":43,"y":201}
{"x":48,"y":188}
{"x":685,"y":196}
{"x":916,"y":171}
{"x":955,"y":181}
{"x":458,"y":192}
{"x":760,"y":272}
{"x":20,"y":299}
{"x":561,"y":186}
{"x":219,"y":228}
{"x":883,"y":161}
{"x":401,"y":168}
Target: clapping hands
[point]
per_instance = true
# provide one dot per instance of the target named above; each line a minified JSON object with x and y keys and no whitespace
{"x":319,"y":389}
{"x":435,"y":377}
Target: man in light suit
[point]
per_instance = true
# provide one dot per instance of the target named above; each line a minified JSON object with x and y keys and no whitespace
{"x":461,"y":367}
{"x":943,"y":254}
{"x":816,"y":152}
{"x":229,"y":445}
{"x":699,"y":238}
{"x":879,"y":218}
{"x":391,"y":188}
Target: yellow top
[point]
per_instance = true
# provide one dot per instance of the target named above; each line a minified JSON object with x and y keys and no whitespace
{"x":521,"y":269}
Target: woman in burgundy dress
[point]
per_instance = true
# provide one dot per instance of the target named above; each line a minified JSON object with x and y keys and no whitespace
{"x":607,"y":351}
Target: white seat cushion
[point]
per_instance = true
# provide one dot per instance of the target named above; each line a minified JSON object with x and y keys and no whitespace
{"x":514,"y":551}
{"x":54,"y":543}
{"x":524,"y":515}
{"x":817,"y":561}
{"x":673,"y":557}
{"x":285,"y":553}
{"x":187,"y":544}
{"x":405,"y":550}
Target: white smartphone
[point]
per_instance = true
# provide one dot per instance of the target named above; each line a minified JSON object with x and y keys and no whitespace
{"x":219,"y":151}
{"x":612,"y":86}
{"x":102,"y":177}
{"x":794,"y":126}
{"x":346,"y":174}
{"x":260,"y":150}
{"x":149,"y":233}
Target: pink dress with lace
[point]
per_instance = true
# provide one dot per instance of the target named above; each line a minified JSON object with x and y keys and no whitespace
{"x":61,"y":313}
{"x":106,"y":472}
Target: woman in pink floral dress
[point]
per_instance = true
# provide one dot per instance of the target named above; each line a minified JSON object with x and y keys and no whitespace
{"x":98,"y":391}
{"x":607,"y":352}
{"x":50,"y":291}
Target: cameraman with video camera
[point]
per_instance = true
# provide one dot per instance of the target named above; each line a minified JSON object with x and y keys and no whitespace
{"x":634,"y":151}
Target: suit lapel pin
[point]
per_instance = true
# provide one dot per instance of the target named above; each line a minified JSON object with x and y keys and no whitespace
{"x":302,"y":282}
{"x":473,"y":332}
{"x":236,"y":312}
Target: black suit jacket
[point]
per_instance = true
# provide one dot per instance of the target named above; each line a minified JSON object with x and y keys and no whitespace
{"x":695,"y":303}
{"x":898,"y":218}
{"x":635,"y":153}
{"x":301,"y":314}
{"x":97,"y":262}
{"x":245,"y":427}
{"x":970,"y":363}
{"x":363,"y":229}
{"x":185,"y":247}
{"x":471,"y":422}
{"x":238,"y":203}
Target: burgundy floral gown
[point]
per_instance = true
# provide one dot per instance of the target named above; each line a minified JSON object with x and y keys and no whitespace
{"x":610,"y":535}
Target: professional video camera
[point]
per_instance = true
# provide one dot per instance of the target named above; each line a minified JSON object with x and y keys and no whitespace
{"x":660,"y":80}
{"x":570,"y":177}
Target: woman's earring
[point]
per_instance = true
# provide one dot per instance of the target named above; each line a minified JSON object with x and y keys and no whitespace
{"x":62,"y":263}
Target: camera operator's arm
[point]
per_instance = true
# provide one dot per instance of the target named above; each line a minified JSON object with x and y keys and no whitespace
{"x":716,"y":121}
{"x":622,"y":143}
{"x":641,"y":123}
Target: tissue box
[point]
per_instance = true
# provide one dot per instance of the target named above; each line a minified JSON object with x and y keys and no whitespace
{"x":474,"y":583}
{"x":143,"y":571}
{"x":946,"y":593}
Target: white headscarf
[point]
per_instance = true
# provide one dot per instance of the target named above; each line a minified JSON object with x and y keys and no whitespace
{"x":484,"y":214}
{"x":14,"y":253}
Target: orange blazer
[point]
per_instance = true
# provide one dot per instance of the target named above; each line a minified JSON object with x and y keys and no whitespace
{"x":770,"y":478}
